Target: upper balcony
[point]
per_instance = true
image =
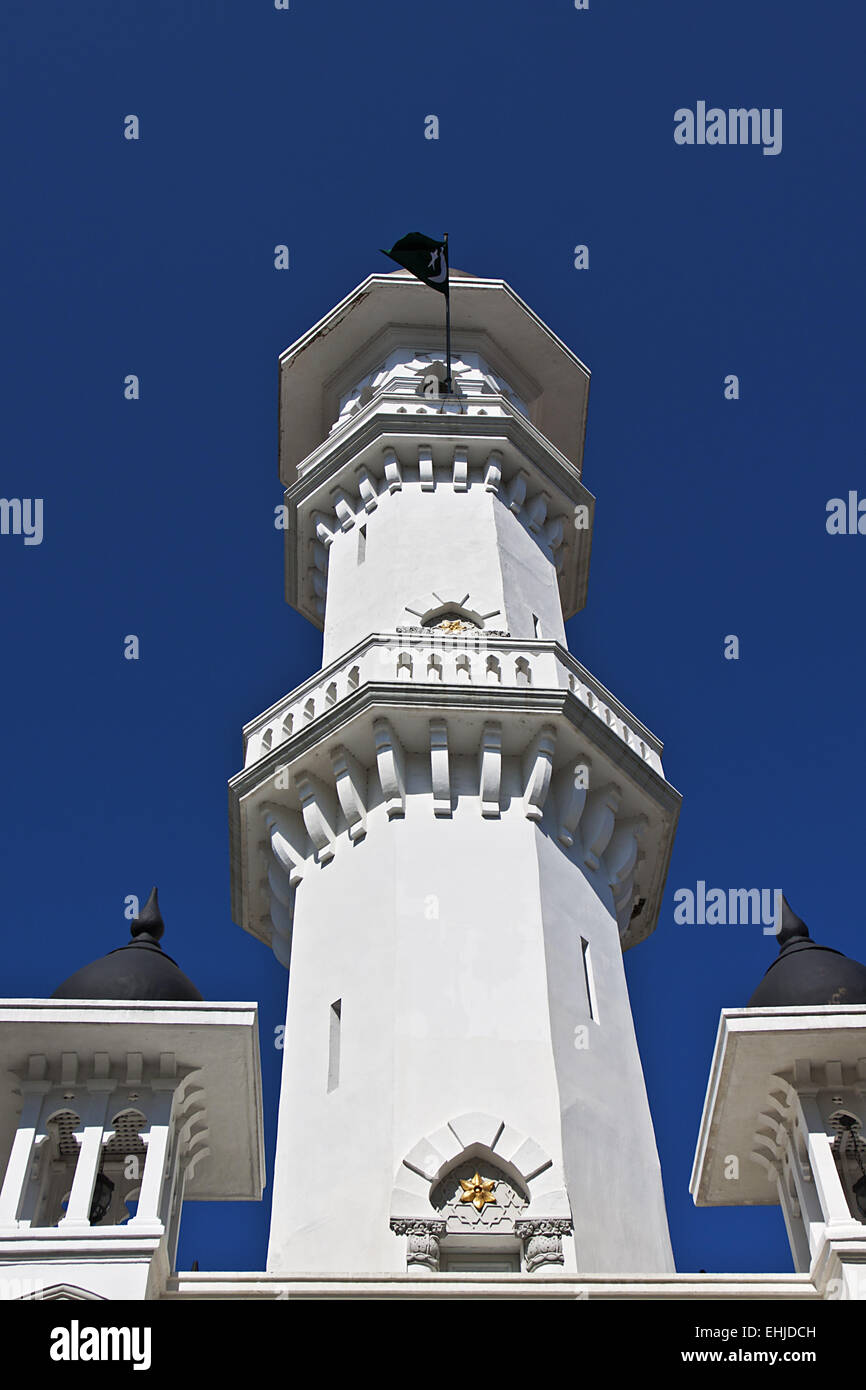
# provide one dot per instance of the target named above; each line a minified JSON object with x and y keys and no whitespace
{"x":435,"y":659}
{"x":360,"y":348}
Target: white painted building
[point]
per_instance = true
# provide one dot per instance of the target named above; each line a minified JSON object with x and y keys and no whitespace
{"x":449,"y":835}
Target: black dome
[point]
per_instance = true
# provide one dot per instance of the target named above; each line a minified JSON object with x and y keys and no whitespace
{"x":139,"y":970}
{"x":805,"y":973}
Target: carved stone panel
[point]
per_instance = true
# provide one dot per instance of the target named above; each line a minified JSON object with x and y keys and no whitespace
{"x":493,"y":1204}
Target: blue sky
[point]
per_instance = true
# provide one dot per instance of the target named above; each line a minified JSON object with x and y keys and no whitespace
{"x":155,"y":257}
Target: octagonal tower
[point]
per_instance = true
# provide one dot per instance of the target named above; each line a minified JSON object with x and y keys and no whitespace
{"x":451,"y":832}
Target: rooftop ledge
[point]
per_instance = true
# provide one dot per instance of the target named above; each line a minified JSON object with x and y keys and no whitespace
{"x":216,"y":1041}
{"x":586,"y":1287}
{"x":754,"y":1046}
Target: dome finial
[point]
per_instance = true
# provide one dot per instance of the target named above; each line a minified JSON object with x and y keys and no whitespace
{"x":149,"y":920}
{"x":139,"y":970}
{"x":805,"y":974}
{"x":792,"y":928}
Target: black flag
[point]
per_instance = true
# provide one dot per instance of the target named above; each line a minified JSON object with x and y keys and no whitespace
{"x":425,"y":258}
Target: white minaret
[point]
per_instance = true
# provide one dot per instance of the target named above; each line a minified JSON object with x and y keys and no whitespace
{"x":451,"y":832}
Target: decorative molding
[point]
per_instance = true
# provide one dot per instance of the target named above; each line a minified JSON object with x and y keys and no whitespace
{"x":300,"y":799}
{"x":550,"y":666}
{"x":343,"y":509}
{"x":543,"y":1226}
{"x":622,"y":850}
{"x":536,"y":513}
{"x":493,"y":472}
{"x":417,"y":1225}
{"x":440,"y":1153}
{"x":319,"y":813}
{"x":425,"y":468}
{"x":439,"y":767}
{"x":351,"y":784}
{"x":296,"y":805}
{"x":279,"y":884}
{"x":366,"y":488}
{"x":537,"y":771}
{"x":324,"y":531}
{"x":597,"y":823}
{"x":621,"y":859}
{"x":461,"y":470}
{"x":290,"y":842}
{"x":515,"y":442}
{"x":554,"y":532}
{"x":393,"y":471}
{"x":422,"y":1244}
{"x":515,"y":493}
{"x":542,"y":1250}
{"x":490,"y":769}
{"x":497,"y":1207}
{"x":390,"y":761}
{"x":71,"y":1292}
{"x":572,"y":791}
{"x":445,"y":639}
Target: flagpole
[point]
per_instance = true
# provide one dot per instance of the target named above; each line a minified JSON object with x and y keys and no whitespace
{"x":447,"y":320}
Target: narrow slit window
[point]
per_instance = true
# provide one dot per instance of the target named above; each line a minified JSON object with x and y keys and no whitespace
{"x":362,"y":544}
{"x":334,"y":1045}
{"x":588,"y":979}
{"x":536,"y":625}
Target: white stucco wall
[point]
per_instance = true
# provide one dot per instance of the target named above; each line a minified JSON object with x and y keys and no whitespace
{"x":453,"y":945}
{"x":528,"y":580}
{"x":611,"y":1162}
{"x":440,"y":1015}
{"x":445,"y":542}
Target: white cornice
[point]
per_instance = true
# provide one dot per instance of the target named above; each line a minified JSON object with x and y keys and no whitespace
{"x":754,"y":1046}
{"x":518,"y":338}
{"x":209,"y":1038}
{"x":290,"y":792}
{"x":496,"y":450}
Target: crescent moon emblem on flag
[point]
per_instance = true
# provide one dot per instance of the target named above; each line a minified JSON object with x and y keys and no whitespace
{"x":443,"y":271}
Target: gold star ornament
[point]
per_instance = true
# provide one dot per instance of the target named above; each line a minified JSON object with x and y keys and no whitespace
{"x":478,"y":1191}
{"x":453,"y":625}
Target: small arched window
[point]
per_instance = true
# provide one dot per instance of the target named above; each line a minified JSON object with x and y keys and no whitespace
{"x":849,"y":1151}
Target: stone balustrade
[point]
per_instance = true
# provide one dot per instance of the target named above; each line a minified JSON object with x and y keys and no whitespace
{"x":419,"y":655}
